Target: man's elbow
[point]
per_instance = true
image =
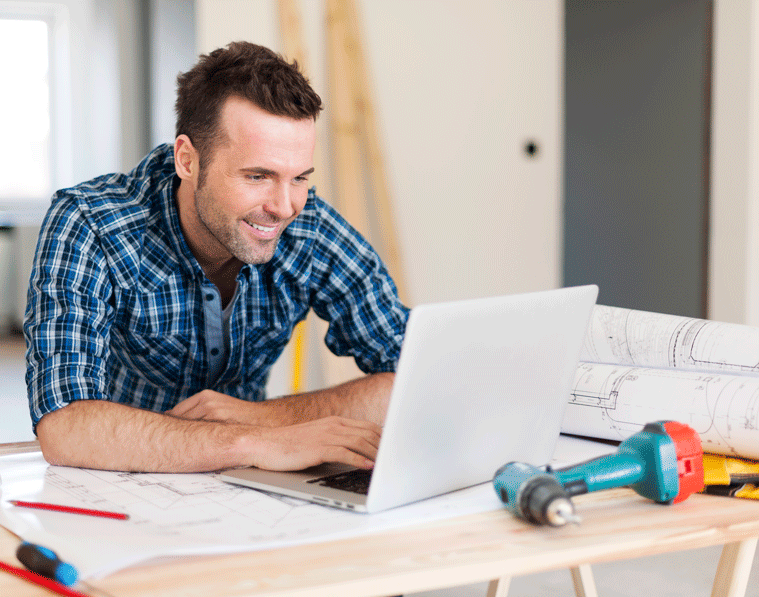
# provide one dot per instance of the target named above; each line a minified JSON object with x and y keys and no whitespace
{"x":52,"y":432}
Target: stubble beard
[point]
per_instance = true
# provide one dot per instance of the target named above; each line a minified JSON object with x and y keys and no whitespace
{"x":229,"y":234}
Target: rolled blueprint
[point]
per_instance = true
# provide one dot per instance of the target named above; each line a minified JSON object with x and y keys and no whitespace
{"x":637,"y":367}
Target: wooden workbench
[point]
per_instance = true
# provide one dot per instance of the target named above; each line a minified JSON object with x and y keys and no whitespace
{"x":616,"y":525}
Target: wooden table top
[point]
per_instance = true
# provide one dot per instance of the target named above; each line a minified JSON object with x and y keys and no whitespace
{"x":616,"y":524}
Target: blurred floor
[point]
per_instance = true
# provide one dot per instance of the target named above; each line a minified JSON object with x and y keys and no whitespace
{"x":682,"y":574}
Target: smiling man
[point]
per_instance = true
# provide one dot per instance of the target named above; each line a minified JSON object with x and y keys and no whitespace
{"x":160,"y":299}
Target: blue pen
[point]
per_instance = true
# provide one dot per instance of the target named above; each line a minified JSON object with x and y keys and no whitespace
{"x":46,"y":563}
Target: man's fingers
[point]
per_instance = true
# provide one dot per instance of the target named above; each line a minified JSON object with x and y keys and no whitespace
{"x":325,"y":440}
{"x":207,"y":405}
{"x":352,"y":428}
{"x":360,"y":436}
{"x":184,"y":407}
{"x":358,"y":445}
{"x":345,"y":456}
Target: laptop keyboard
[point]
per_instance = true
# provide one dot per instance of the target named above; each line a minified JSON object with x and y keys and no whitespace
{"x":355,"y":481}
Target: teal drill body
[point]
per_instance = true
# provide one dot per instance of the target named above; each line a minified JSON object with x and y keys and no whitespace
{"x":654,"y":462}
{"x":647,"y":462}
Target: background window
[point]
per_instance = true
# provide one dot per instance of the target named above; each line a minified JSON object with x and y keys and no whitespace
{"x":25,"y":162}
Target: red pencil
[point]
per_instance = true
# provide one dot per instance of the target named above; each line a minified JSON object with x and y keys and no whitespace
{"x":38,"y":579}
{"x":70,"y":509}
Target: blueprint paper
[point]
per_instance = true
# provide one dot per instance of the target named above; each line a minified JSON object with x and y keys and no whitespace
{"x":638,"y":367}
{"x":643,"y":339}
{"x":184,"y":514}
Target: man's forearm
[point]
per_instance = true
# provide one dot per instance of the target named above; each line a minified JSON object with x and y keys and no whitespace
{"x":106,"y":435}
{"x":365,"y":399}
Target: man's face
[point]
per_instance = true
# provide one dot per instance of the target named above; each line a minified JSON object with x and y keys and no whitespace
{"x":254,"y":185}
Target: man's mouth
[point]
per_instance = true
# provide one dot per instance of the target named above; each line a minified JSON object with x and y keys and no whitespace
{"x":263,"y":232}
{"x":264,"y":228}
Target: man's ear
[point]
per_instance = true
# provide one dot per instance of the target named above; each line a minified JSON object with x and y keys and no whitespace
{"x":186,"y":159}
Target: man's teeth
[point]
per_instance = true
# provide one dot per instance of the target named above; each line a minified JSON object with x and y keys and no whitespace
{"x":263,"y":228}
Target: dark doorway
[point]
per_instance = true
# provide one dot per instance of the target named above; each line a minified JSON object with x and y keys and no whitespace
{"x":637,"y":92}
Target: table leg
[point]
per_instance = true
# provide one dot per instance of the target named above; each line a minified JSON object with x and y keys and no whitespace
{"x":585,"y":585}
{"x":499,"y":587}
{"x":734,"y":568}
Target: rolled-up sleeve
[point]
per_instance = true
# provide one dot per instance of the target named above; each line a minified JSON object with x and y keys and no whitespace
{"x":356,"y":295}
{"x":68,"y":313}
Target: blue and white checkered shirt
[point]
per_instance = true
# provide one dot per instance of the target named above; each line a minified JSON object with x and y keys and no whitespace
{"x":117,"y":302}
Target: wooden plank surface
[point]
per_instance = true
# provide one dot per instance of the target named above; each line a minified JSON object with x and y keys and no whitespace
{"x":617,"y":524}
{"x":19,"y":447}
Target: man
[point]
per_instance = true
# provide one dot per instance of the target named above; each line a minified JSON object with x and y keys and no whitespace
{"x":160,"y":299}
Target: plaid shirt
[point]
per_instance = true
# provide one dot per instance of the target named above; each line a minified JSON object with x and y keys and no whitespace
{"x":116,"y":300}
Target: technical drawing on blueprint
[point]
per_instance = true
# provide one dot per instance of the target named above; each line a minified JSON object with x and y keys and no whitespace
{"x":198,"y":504}
{"x":643,"y":339}
{"x":637,"y":367}
{"x":183,"y":514}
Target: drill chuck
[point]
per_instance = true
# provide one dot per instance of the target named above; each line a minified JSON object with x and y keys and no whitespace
{"x":534,"y":495}
{"x":544,"y":501}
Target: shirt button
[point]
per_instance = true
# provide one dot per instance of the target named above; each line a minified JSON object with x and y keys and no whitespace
{"x":214,"y":351}
{"x":209,"y":296}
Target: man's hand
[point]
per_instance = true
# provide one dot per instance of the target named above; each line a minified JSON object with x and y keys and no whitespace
{"x":361,"y":399}
{"x":281,"y":446}
{"x":333,"y":439}
{"x":209,"y":405}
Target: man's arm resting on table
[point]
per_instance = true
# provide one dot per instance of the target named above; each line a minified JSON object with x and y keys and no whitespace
{"x":363,"y":399}
{"x":106,"y":435}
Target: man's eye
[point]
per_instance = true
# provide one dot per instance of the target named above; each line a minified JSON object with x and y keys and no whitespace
{"x":255,"y":177}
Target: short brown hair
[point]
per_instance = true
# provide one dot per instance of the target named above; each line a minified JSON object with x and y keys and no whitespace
{"x":243,"y":69}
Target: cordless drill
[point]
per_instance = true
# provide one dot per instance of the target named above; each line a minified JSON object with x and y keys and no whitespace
{"x":663,"y":463}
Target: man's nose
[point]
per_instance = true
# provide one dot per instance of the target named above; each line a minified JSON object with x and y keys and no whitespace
{"x":280,"y":204}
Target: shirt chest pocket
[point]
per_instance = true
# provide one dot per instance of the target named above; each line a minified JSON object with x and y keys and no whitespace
{"x":153,"y":338}
{"x":162,"y":360}
{"x":262,"y":347}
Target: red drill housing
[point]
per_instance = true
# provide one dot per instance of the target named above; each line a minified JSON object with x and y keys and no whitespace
{"x":690,"y":459}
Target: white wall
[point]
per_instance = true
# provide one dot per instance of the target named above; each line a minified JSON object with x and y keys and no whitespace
{"x":172,"y":50}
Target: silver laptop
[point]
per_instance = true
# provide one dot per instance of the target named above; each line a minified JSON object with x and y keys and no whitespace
{"x":479,"y":383}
